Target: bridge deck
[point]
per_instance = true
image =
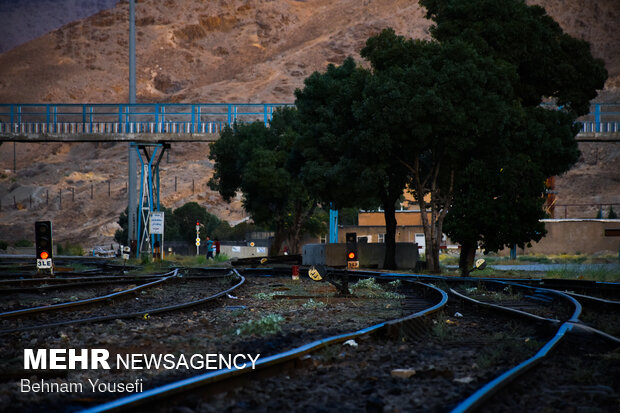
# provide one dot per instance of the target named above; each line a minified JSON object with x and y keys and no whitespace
{"x":109,"y":137}
{"x":188,"y":122}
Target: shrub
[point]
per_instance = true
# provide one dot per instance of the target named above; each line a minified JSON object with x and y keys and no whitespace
{"x":368,"y":287}
{"x":24,"y":243}
{"x":70,"y":249}
{"x":313,"y":305}
{"x":269,"y":324}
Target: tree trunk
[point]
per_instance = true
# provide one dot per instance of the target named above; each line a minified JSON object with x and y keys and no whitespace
{"x":278,"y":239}
{"x":389,"y":262}
{"x":432,"y":253}
{"x":466,"y":259}
{"x":295,"y":234}
{"x":301,"y":216}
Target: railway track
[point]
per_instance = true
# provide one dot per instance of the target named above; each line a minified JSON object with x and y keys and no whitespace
{"x":140,"y":301}
{"x":11,"y":289}
{"x":545,"y":363}
{"x":422,"y":299}
{"x":443,"y":346}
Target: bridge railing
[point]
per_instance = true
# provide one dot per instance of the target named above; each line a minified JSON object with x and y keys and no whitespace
{"x":187,"y":118}
{"x":603,"y":118}
{"x":130,"y":118}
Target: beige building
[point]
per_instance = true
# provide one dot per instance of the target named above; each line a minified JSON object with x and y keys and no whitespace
{"x":577,"y":236}
{"x":371,"y":225}
{"x":564,"y":236}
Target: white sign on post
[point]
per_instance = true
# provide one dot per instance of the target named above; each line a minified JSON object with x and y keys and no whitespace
{"x":157,"y":223}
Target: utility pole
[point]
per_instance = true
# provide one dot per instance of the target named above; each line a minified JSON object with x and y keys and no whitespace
{"x":132,"y":210}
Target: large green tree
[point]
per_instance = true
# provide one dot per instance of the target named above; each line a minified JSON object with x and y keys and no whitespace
{"x":339,"y":161}
{"x":256,"y":160}
{"x":180,"y":224}
{"x":498,"y":196}
{"x":436,"y":103}
{"x":184,"y":218}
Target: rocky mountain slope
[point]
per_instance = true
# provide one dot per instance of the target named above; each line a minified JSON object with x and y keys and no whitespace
{"x":218,"y":51}
{"x":25,"y":20}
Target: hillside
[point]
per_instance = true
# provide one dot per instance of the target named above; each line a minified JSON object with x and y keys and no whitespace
{"x":218,"y":51}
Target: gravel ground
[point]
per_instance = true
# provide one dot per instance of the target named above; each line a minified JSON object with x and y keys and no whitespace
{"x":217,"y":328}
{"x":455,"y":357}
{"x":463,"y":349}
{"x":559,"y":309}
{"x":586,"y":378}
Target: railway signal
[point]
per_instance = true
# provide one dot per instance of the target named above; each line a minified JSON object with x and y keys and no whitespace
{"x":43,"y":244}
{"x":351,"y":245}
{"x":197,"y":238}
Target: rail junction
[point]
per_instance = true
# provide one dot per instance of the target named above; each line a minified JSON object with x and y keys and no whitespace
{"x":427,"y":354}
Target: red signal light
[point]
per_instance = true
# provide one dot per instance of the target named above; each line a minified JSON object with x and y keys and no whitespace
{"x":351,"y":255}
{"x":44,"y":255}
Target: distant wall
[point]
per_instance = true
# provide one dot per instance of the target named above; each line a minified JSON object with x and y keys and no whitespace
{"x":370,"y":255}
{"x":232,"y":251}
{"x":243,"y":252}
{"x":571,"y":236}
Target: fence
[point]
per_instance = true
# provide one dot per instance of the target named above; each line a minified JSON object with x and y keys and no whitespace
{"x":67,"y":196}
{"x":130,"y":118}
{"x":584,"y":210}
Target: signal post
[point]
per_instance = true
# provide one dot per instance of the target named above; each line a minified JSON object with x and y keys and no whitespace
{"x":352,"y":258}
{"x":44,"y":245}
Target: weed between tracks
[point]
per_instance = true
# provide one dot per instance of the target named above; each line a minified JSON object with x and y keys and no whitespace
{"x":269,"y":324}
{"x":481,"y":291}
{"x":369,"y":288}
{"x":313,"y":305}
{"x":512,"y":346}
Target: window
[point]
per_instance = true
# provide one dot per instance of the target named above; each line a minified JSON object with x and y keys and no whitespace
{"x":381,"y":238}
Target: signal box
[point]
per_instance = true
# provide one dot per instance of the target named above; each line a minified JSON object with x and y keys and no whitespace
{"x":351,"y":248}
{"x":43,"y":244}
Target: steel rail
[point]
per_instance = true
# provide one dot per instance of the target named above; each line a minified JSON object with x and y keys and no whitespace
{"x":65,"y":280}
{"x":175,"y":388}
{"x":483,"y":394}
{"x":491,"y":388}
{"x":513,"y":311}
{"x":86,"y":301}
{"x":67,"y":286}
{"x":595,"y":300}
{"x":141,"y":313}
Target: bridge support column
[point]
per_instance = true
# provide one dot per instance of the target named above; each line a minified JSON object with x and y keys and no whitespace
{"x":149,"y":192}
{"x":333,"y":226}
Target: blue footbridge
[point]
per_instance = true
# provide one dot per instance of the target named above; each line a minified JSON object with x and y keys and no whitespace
{"x":181,"y":122}
{"x":171,"y":122}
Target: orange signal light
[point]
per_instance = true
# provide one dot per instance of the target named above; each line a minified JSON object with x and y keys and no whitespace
{"x":44,"y":255}
{"x":351,"y":255}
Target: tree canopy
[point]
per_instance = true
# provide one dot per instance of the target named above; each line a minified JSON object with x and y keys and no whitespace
{"x":548,"y":62}
{"x":499,"y":194}
{"x":340,"y":161}
{"x":437,"y":103}
{"x":256,"y":160}
{"x":180,"y":224}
